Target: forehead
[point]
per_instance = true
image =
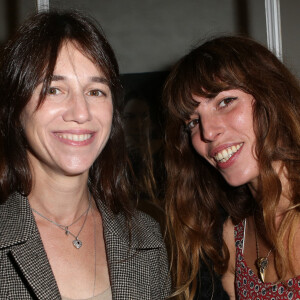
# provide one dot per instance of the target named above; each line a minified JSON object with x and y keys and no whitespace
{"x":70,"y":59}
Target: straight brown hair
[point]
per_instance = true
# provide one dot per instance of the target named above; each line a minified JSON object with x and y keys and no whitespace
{"x":28,"y":59}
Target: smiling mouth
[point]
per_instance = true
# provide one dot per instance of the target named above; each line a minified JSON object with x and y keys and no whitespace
{"x":224,"y":155}
{"x":74,"y":137}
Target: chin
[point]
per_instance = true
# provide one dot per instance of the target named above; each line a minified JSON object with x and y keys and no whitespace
{"x":75,"y":170}
{"x":235,"y":182}
{"x":240,"y":177}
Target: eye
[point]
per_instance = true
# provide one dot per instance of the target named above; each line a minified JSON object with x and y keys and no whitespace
{"x":96,"y":93}
{"x":192,"y":124}
{"x":53,"y":91}
{"x":227,"y":101}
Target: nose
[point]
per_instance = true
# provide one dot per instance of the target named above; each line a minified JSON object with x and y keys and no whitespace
{"x":77,"y":109}
{"x":211,"y":128}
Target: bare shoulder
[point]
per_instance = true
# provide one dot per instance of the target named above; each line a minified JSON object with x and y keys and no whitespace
{"x":229,"y":275}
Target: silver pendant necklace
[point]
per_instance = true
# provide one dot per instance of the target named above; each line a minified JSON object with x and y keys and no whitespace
{"x":77,"y":243}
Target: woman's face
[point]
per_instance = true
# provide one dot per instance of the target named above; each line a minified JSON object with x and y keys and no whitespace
{"x":71,"y":127}
{"x":222,"y":132}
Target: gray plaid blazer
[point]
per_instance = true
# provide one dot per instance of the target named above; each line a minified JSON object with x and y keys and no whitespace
{"x":137,"y":271}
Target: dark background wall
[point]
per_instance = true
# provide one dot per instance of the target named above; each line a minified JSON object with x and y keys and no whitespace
{"x":150,"y":35}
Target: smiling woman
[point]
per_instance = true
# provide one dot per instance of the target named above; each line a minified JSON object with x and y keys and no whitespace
{"x":233,"y":148}
{"x":77,"y":111}
{"x":227,"y":119}
{"x":67,"y":224}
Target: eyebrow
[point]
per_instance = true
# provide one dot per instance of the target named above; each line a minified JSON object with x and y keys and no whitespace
{"x":57,"y":78}
{"x":92,"y":78}
{"x":207,"y":100}
{"x":99,"y":79}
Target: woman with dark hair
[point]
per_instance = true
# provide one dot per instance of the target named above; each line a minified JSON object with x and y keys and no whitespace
{"x":67,"y":226}
{"x":144,"y":147}
{"x":137,"y":130}
{"x":233,"y":143}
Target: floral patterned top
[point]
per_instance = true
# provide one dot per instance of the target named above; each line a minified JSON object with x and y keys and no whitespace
{"x":249,"y":286}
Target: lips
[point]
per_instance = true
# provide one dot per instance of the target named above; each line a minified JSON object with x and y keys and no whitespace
{"x":75,"y":138}
{"x":225,"y":154}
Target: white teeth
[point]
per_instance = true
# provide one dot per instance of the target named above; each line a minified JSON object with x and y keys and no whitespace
{"x":225,"y":154}
{"x":74,"y":137}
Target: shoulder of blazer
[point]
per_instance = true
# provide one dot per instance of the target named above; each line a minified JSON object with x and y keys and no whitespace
{"x":141,"y":232}
{"x":16,"y":221}
{"x":136,"y":256}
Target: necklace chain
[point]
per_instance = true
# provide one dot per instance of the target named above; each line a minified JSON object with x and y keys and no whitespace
{"x":95,"y":258}
{"x":261,"y":262}
{"x":76,"y":242}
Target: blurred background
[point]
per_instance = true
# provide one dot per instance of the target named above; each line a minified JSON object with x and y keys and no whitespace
{"x":150,"y":35}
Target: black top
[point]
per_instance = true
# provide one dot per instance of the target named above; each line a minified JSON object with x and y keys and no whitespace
{"x":209,"y":283}
{"x":209,"y":286}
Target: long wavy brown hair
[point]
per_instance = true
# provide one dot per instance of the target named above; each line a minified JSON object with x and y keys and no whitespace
{"x":195,"y":190}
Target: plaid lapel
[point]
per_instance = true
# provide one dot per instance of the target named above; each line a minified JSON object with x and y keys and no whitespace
{"x":129,"y":265}
{"x":20,"y":233}
{"x":129,"y":262}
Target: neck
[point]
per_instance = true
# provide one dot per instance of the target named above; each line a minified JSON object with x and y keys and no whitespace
{"x":61,"y":198}
{"x":284,"y":200}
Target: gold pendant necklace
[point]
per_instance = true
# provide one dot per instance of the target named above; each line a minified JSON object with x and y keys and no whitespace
{"x":261,"y":262}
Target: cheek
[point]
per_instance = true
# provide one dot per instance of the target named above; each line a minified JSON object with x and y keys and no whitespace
{"x":244,"y":125}
{"x":198,"y":145}
{"x":201,"y":149}
{"x":27,"y":123}
{"x":242,"y":121}
{"x":243,"y":118}
{"x":102,"y":118}
{"x":103,"y":112}
{"x":110,"y":117}
{"x":26,"y":117}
